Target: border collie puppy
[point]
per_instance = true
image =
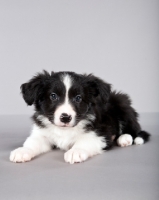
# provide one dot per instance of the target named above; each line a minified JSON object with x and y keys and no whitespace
{"x":78,"y":114}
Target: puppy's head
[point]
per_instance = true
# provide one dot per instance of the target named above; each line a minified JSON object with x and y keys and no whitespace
{"x":65,"y":98}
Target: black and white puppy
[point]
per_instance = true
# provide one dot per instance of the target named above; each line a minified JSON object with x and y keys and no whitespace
{"x":79,"y":114}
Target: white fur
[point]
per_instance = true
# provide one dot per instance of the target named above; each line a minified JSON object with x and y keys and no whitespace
{"x":138,"y":140}
{"x":91,"y":117}
{"x":82,"y":145}
{"x":125,"y":140}
{"x":86,"y":146}
{"x":75,"y":156}
{"x":65,"y":107}
{"x":21,"y":154}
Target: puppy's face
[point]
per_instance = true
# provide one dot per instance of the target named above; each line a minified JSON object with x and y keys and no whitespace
{"x":64,"y":98}
{"x":65,"y":101}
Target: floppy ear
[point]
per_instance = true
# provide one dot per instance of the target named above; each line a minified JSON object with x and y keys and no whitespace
{"x":32,"y":91}
{"x":98,"y":88}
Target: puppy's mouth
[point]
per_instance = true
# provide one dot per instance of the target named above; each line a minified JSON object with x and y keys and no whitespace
{"x":65,"y":125}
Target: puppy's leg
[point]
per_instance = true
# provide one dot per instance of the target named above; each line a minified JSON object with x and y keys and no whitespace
{"x":125,"y":140}
{"x":33,"y":146}
{"x":131,"y":130}
{"x":88,"y":145}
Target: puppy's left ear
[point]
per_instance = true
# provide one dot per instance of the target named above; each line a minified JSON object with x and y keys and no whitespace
{"x":98,"y":88}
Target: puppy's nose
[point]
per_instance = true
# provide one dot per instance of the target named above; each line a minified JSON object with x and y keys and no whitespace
{"x":65,"y":118}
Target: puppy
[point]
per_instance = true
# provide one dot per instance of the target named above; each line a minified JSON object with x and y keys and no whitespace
{"x":78,"y":114}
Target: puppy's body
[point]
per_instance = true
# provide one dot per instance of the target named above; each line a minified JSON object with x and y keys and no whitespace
{"x":79,"y":114}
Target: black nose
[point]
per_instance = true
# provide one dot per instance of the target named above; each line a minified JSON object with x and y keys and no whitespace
{"x":65,"y":118}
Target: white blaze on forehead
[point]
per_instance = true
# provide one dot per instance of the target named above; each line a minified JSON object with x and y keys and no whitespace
{"x":67,"y":82}
{"x":66,"y":107}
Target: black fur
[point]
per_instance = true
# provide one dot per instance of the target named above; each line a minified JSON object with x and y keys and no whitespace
{"x":112,"y":110}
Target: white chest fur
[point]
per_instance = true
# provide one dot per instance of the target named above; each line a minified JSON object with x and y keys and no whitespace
{"x":62,"y":137}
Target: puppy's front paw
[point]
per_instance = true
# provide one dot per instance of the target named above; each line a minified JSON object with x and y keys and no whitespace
{"x":75,"y":156}
{"x":125,"y":140}
{"x":22,"y":154}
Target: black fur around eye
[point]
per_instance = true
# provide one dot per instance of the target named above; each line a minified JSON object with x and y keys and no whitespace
{"x":53,"y":97}
{"x":78,"y":99}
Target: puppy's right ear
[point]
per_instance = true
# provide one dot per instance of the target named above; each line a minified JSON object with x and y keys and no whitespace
{"x":32,"y":91}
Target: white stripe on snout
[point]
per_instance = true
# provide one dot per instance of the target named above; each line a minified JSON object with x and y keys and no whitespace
{"x":66,"y":106}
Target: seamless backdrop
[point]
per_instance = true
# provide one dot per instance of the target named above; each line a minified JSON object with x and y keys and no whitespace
{"x":116,"y":40}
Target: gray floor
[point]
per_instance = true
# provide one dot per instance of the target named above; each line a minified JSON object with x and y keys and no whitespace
{"x":129,"y":173}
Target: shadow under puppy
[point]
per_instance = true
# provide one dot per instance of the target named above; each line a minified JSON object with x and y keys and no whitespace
{"x":79,"y":114}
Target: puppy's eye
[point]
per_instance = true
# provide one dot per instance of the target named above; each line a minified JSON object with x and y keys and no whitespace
{"x":78,"y":99}
{"x":53,"y":97}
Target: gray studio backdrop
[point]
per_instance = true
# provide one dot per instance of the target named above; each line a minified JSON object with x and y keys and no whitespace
{"x":116,"y":40}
